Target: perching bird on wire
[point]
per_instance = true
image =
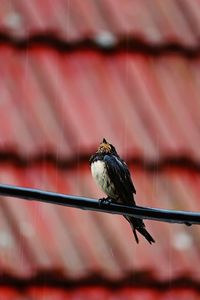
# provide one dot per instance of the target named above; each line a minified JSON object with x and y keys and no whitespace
{"x":112,"y":175}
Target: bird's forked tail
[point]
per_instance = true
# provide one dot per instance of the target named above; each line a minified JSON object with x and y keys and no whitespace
{"x":138,"y":225}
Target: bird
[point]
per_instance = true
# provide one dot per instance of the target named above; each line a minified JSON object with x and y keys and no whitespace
{"x":111,"y":174}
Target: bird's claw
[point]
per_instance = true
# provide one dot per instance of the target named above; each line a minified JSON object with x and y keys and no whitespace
{"x":105,"y":201}
{"x":188,"y":224}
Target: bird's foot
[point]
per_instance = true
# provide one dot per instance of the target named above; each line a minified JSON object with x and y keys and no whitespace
{"x":105,"y":201}
{"x":188,"y":224}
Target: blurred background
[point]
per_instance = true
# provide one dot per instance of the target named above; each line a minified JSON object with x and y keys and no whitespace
{"x":71,"y":73}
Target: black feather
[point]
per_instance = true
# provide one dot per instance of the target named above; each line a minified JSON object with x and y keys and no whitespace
{"x":121,"y":178}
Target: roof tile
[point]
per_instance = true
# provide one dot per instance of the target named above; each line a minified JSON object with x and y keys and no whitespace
{"x":92,"y":244}
{"x":158,"y":23}
{"x":140,"y":110}
{"x":96,"y":293}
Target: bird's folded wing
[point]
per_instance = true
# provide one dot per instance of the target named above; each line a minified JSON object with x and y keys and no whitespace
{"x":121,"y":178}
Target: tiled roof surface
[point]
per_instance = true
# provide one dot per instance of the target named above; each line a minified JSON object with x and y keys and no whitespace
{"x":139,"y":102}
{"x":96,"y":293}
{"x":57,"y":102}
{"x":104,"y":21}
{"x":89,"y":244}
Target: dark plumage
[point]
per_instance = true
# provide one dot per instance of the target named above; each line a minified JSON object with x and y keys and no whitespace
{"x":112,"y":175}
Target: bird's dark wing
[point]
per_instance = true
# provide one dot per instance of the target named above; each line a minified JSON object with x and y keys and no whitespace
{"x":91,"y":159}
{"x":121,"y":178}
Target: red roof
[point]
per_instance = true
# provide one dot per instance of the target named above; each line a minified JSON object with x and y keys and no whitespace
{"x":89,"y":244}
{"x":57,"y":102}
{"x":105,"y":22}
{"x":96,"y":293}
{"x":140,"y":117}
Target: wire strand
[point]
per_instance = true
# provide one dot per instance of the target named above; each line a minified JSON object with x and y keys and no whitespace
{"x":156,"y":214}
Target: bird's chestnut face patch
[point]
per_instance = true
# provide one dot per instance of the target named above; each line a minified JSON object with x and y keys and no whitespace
{"x":104,"y":148}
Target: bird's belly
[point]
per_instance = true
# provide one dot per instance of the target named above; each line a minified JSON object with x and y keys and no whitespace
{"x":100,"y":175}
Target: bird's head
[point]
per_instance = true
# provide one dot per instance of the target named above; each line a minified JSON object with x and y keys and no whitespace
{"x":106,"y":148}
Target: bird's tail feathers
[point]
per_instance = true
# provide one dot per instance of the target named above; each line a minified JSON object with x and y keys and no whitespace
{"x":138,"y":225}
{"x":135,"y":235}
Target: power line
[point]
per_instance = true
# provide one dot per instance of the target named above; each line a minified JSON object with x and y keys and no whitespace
{"x":163,"y":215}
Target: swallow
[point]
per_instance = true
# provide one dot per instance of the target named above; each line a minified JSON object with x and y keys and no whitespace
{"x":112,"y":175}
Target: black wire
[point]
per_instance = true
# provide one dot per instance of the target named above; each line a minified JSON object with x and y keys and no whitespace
{"x":164,"y":215}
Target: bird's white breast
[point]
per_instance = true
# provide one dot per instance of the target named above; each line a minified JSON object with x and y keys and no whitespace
{"x":100,"y":175}
{"x":98,"y":170}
